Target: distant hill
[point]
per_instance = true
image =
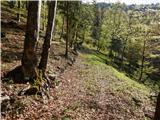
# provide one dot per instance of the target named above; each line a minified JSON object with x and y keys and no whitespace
{"x":146,"y":7}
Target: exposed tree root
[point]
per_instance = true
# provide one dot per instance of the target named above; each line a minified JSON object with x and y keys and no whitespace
{"x":40,"y":86}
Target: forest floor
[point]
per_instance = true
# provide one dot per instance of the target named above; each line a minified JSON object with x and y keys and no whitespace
{"x":85,"y":88}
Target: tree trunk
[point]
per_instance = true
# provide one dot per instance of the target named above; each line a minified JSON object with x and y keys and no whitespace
{"x":44,"y":16}
{"x":11,"y":4}
{"x":111,"y":55}
{"x":123,"y":50}
{"x":48,"y":37}
{"x":143,"y":59}
{"x":122,"y":57}
{"x":27,"y":5}
{"x":157,"y":112}
{"x":29,"y":59}
{"x":74,"y":37}
{"x":98,"y":45}
{"x":67,"y":34}
{"x":18,"y":13}
{"x":62,"y":29}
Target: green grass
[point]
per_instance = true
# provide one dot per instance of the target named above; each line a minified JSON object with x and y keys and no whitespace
{"x":92,"y":59}
{"x":121,"y":83}
{"x":129,"y":84}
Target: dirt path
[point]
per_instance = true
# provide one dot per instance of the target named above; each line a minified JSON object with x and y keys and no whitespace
{"x":88,"y":90}
{"x":86,"y":93}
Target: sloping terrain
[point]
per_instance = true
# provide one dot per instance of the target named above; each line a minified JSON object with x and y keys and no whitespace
{"x":86,"y":88}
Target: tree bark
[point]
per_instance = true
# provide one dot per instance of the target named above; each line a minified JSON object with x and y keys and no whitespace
{"x":157,"y":112}
{"x":44,"y":16}
{"x":73,"y":37}
{"x":18,"y":14}
{"x":48,"y":37}
{"x":27,"y":4}
{"x":62,"y":29}
{"x":29,"y":59}
{"x":143,"y":59}
{"x":11,"y":4}
{"x":122,"y":57}
{"x":67,"y":36}
{"x":123,"y":51}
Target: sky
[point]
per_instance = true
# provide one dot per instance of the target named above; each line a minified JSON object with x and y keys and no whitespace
{"x":128,"y":2}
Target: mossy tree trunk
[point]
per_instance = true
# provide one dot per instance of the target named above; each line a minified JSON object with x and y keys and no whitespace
{"x":48,"y":36}
{"x":29,"y":59}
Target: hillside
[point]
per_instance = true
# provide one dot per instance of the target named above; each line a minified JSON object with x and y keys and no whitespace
{"x":84,"y":86}
{"x":89,"y":89}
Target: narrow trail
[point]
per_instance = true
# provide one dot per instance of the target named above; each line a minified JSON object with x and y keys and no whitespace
{"x":90,"y":90}
{"x":86,"y":92}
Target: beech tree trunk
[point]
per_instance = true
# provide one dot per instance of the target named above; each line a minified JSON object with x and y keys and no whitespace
{"x":44,"y":16}
{"x":157,"y":112}
{"x":29,"y":59}
{"x":48,"y":37}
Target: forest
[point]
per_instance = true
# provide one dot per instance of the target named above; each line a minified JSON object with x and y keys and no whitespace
{"x":78,"y":60}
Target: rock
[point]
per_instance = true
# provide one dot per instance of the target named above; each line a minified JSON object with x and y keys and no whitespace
{"x":52,"y":76}
{"x":4,"y":98}
{"x":69,"y":63}
{"x":23,"y":91}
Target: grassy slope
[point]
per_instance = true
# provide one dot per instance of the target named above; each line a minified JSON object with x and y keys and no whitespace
{"x":98,"y":60}
{"x":117,"y":81}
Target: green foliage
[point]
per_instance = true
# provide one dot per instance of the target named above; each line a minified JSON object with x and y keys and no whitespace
{"x":123,"y":34}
